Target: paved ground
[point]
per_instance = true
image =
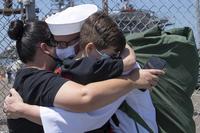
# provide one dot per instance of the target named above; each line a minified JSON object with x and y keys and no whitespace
{"x":196,"y":104}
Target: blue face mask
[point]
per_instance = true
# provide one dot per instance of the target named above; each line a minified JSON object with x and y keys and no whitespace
{"x":103,"y":55}
{"x":65,"y":52}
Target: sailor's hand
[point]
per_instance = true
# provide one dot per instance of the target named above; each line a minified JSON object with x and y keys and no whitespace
{"x":12,"y":104}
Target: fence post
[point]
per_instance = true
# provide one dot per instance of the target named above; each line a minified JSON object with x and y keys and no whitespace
{"x":30,"y":10}
{"x":71,"y":3}
{"x":105,"y":6}
{"x":198,"y":22}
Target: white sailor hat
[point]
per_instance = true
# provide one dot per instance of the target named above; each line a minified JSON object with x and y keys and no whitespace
{"x":70,"y":20}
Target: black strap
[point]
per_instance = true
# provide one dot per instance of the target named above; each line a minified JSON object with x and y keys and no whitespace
{"x":115,"y":120}
{"x":136,"y":126}
{"x":104,"y":129}
{"x":134,"y":115}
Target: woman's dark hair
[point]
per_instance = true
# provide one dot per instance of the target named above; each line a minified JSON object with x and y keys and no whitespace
{"x":101,"y":30}
{"x":27,"y":37}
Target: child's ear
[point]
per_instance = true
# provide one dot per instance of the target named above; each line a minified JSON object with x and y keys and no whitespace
{"x":89,"y":49}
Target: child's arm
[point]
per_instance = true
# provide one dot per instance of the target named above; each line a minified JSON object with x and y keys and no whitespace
{"x":88,"y":70}
{"x":129,"y":58}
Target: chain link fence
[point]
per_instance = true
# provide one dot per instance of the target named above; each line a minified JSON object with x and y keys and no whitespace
{"x":131,"y":16}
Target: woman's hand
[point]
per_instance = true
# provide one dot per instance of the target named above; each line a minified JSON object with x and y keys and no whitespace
{"x":145,"y":78}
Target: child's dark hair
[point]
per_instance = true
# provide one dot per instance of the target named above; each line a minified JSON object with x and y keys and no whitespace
{"x":27,"y":37}
{"x":101,"y":30}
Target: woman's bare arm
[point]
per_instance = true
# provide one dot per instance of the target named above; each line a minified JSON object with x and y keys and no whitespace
{"x":78,"y":98}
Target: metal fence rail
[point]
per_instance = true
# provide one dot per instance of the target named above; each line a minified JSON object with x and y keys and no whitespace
{"x":131,"y":16}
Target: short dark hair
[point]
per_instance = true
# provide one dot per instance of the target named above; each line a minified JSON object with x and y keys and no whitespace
{"x":101,"y":30}
{"x":27,"y":37}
